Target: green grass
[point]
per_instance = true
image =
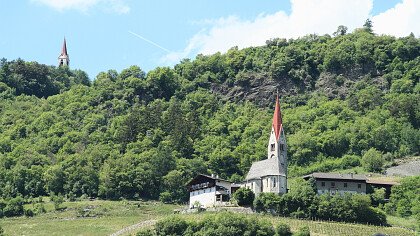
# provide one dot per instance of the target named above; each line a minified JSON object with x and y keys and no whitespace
{"x":104,"y":218}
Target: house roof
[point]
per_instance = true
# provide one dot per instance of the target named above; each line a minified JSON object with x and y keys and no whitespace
{"x":206,"y":177}
{"x":277,"y":119}
{"x":263,"y":168}
{"x":337,"y":176}
{"x":382,"y":182}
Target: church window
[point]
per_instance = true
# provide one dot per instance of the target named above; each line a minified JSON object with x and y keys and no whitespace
{"x":323,"y":184}
{"x":273,"y":147}
{"x":345,"y":185}
{"x":359,"y":185}
{"x":274,"y":182}
{"x":333,"y":184}
{"x":281,"y":147}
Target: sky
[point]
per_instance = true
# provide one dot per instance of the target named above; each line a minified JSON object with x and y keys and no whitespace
{"x":115,"y":34}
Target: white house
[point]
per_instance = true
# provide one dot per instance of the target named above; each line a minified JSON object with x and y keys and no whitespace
{"x":209,"y":191}
{"x":270,"y":175}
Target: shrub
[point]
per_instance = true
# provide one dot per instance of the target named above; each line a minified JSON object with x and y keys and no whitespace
{"x":171,"y":226}
{"x":283,"y":229}
{"x":28,"y":212}
{"x":303,"y":231}
{"x":1,"y":231}
{"x":14,"y":207}
{"x":58,"y":200}
{"x":39,"y":208}
{"x":373,"y":160}
{"x":244,"y":197}
{"x":146,"y":232}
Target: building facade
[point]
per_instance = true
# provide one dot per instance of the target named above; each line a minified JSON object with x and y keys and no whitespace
{"x":334,"y":183}
{"x":209,"y":191}
{"x":270,"y":175}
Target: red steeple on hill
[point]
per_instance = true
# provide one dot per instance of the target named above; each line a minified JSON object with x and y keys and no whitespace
{"x":277,"y":120}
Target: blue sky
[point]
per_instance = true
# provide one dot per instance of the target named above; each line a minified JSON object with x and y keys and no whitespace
{"x":110,"y":34}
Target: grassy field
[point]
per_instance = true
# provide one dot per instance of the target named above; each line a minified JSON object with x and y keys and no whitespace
{"x":86,"y":218}
{"x":105,"y":217}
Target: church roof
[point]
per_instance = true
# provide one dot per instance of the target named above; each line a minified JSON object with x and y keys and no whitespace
{"x":263,"y":168}
{"x":64,"y":49}
{"x":277,"y":119}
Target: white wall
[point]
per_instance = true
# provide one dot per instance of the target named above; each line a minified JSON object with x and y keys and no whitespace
{"x":206,"y":197}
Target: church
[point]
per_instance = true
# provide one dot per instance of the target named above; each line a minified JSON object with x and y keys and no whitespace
{"x":270,"y":175}
{"x":265,"y":176}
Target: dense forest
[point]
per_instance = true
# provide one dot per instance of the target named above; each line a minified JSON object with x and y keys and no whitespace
{"x":348,"y":100}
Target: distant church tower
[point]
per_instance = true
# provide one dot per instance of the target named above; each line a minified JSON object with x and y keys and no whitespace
{"x":63,"y":59}
{"x":270,"y":175}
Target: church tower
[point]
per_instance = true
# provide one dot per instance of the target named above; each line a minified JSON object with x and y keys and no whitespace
{"x":63,"y":59}
{"x":277,"y":147}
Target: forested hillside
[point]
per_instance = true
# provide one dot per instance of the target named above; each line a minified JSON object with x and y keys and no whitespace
{"x":347,"y":100}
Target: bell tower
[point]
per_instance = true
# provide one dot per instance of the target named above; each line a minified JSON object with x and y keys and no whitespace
{"x":277,"y":147}
{"x":63,"y":59}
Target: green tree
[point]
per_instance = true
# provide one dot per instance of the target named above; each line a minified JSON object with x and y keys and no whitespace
{"x":244,"y":196}
{"x":373,"y":160}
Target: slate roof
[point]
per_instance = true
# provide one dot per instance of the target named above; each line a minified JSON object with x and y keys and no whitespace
{"x":336,"y":176}
{"x":263,"y":168}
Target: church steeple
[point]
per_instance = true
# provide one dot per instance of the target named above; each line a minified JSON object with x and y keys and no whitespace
{"x":63,"y":59}
{"x":277,"y":119}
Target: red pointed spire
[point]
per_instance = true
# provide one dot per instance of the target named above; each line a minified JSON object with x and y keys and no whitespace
{"x":64,"y":49}
{"x":277,"y":120}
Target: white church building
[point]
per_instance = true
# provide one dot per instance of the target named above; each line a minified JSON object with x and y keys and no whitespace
{"x":268,"y":175}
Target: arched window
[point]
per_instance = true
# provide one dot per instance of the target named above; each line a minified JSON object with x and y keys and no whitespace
{"x":274,"y":182}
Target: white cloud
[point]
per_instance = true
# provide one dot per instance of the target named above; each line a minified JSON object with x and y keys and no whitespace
{"x":306,"y":17}
{"x":400,"y":20}
{"x":117,"y":6}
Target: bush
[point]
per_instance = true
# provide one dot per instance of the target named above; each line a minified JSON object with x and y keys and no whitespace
{"x":146,"y":232}
{"x":39,"y":208}
{"x":28,"y":212}
{"x":283,"y":229}
{"x":58,"y":200}
{"x":171,"y":226}
{"x":373,"y":160}
{"x":303,"y":231}
{"x":14,"y":207}
{"x":1,"y":231}
{"x":244,"y":197}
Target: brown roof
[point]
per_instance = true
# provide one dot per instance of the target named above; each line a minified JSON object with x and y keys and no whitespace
{"x":381,"y":182}
{"x":337,"y":176}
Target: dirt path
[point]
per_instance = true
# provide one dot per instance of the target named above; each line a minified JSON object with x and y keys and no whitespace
{"x":134,"y":227}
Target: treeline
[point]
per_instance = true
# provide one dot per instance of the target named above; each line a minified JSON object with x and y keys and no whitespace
{"x":144,"y":135}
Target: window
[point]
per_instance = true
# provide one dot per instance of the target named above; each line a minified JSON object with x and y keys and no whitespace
{"x":281,"y":147}
{"x":359,"y":185}
{"x":273,"y":147}
{"x":332,"y":184}
{"x":252,"y":185}
{"x":274,"y":182}
{"x":323,"y":184}
{"x":345,"y":185}
{"x":267,"y":181}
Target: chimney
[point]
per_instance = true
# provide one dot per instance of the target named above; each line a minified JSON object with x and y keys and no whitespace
{"x":217,"y":176}
{"x":351,"y":175}
{"x":212,"y":175}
